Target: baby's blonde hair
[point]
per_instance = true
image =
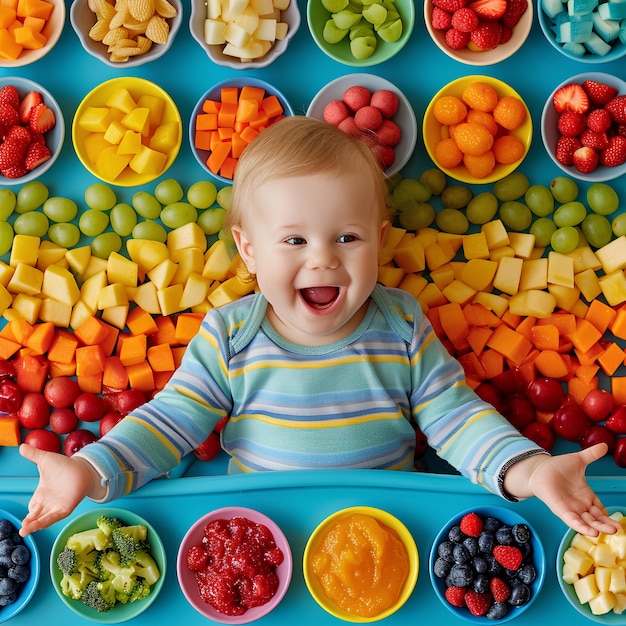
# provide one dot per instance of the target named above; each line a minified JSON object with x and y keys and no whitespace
{"x":299,"y":146}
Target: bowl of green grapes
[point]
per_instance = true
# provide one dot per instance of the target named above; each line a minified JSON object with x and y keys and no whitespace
{"x":363,"y":35}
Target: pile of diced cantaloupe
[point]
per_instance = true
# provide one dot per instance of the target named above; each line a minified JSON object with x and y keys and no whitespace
{"x":127,"y":131}
{"x":22,"y":23}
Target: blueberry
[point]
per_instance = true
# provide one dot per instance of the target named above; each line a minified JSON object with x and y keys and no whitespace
{"x":504,"y":536}
{"x":497,"y":610}
{"x":491,"y":524}
{"x":8,"y":599}
{"x":7,"y":586}
{"x":485,"y":542}
{"x":527,"y":573}
{"x":6,"y":546}
{"x":471,"y":545}
{"x":480,"y":565}
{"x":444,"y":550}
{"x":460,"y":575}
{"x":481,"y":583}
{"x":455,"y":534}
{"x":493,"y":567}
{"x":5,"y":561}
{"x":526,"y":549}
{"x":20,"y":555}
{"x":441,"y":568}
{"x":520,"y":594}
{"x":461,"y":554}
{"x":521,"y":533}
{"x":6,"y":528}
{"x":19,"y":573}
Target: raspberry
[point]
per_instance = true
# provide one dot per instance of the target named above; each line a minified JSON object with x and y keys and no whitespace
{"x":471,"y":525}
{"x":197,"y":558}
{"x":457,"y":39}
{"x":465,"y":20}
{"x":456,"y":596}
{"x":440,"y":19}
{"x":477,"y":603}
{"x":499,"y":590}
{"x":509,"y":557}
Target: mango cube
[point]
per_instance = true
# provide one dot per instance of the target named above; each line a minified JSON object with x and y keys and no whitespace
{"x":148,"y":161}
{"x":60,"y":284}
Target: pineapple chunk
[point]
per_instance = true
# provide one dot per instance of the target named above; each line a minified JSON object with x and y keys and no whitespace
{"x":579,"y":561}
{"x":586,"y":588}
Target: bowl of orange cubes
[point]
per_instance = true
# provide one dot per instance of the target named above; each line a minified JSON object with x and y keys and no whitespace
{"x":127,"y":131}
{"x":477,"y":129}
{"x":29,"y":29}
{"x":228,"y":117}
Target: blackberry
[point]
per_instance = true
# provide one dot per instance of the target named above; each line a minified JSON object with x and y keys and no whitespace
{"x":520,"y":594}
{"x":444,"y":550}
{"x":526,"y":573}
{"x":471,"y":545}
{"x":485,"y":542}
{"x":521,"y":533}
{"x":461,"y":553}
{"x":441,"y":568}
{"x":504,"y":536}
{"x":497,"y":610}
{"x":460,"y":576}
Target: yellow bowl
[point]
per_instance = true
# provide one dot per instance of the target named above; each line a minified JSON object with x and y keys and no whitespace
{"x":383,"y":517}
{"x":431,"y":129}
{"x":52,"y":30}
{"x":98,"y":97}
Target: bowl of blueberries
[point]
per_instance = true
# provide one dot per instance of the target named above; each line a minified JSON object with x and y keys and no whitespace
{"x":487,"y":564}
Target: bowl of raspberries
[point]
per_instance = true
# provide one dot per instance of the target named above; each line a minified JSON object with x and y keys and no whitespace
{"x":370,"y":107}
{"x":583,"y":126}
{"x":478,"y":32}
{"x":487,"y":564}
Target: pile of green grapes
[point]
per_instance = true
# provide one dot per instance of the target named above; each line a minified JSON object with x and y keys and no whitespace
{"x":105,"y":220}
{"x":555,"y":214}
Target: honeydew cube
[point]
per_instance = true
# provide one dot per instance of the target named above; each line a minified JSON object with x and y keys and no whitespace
{"x":96,"y":119}
{"x":26,"y":307}
{"x":508,"y":275}
{"x":586,"y":588}
{"x":165,"y":137}
{"x":213,"y":9}
{"x":147,"y":254}
{"x":603,"y":555}
{"x":496,"y":303}
{"x":138,"y":120}
{"x":587,"y":282}
{"x":534,"y":274}
{"x":215,"y":32}
{"x":266,"y":30}
{"x":613,"y":287}
{"x":78,"y":259}
{"x":112,"y":295}
{"x":121,"y":270}
{"x":116,"y":315}
{"x":580,"y":561}
{"x":162,"y":274}
{"x":80,"y":312}
{"x":26,"y":279}
{"x":6,"y":271}
{"x":59,"y":313}
{"x":475,"y":246}
{"x":496,"y":234}
{"x":49,"y":253}
{"x":195,"y":291}
{"x":603,"y":603}
{"x":130,"y":143}
{"x":169,"y":299}
{"x":25,"y":250}
{"x":59,"y":283}
{"x":91,"y":288}
{"x":618,"y":580}
{"x":189,"y":235}
{"x":148,"y":161}
{"x":109,"y":164}
{"x":145,"y":296}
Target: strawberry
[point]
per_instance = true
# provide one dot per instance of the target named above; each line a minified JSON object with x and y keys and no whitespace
{"x":513,"y":13}
{"x":11,"y":153}
{"x":465,"y":20}
{"x":10,"y":96}
{"x":477,"y":603}
{"x":197,"y":558}
{"x":36,"y":154}
{"x":20,"y":134}
{"x":594,"y":139}
{"x":455,"y":596}
{"x":565,"y":148}
{"x":617,"y":108}
{"x":486,"y":36}
{"x":499,"y":589}
{"x":571,"y":97}
{"x":456,"y":39}
{"x":471,"y":525}
{"x":42,"y":118}
{"x":489,"y":9}
{"x":8,"y":115}
{"x":450,"y":5}
{"x":505,"y":35}
{"x":28,"y":103}
{"x":599,"y":93}
{"x":510,"y":557}
{"x":571,"y":124}
{"x":17,"y":171}
{"x":599,"y":120}
{"x":440,"y":19}
{"x":615,"y":153}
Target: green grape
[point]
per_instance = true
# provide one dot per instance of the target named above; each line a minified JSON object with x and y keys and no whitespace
{"x":409,"y":191}
{"x":539,"y":200}
{"x":597,"y":230}
{"x":224,"y":196}
{"x":515,"y":215}
{"x":93,"y":222}
{"x":452,"y":221}
{"x":564,"y":189}
{"x":434,"y":179}
{"x":150,"y":230}
{"x":211,"y":220}
{"x":543,"y":229}
{"x":168,"y":191}
{"x":100,"y":197}
{"x":602,"y":199}
{"x":6,"y":237}
{"x":564,"y":239}
{"x":570,"y":214}
{"x":31,"y":196}
{"x":60,"y":209}
{"x":511,"y":187}
{"x":123,"y":219}
{"x":618,"y":225}
{"x":8,"y":200}
{"x":32,"y":223}
{"x":390,"y":181}
{"x":202,"y":194}
{"x":482,"y":208}
{"x":178,"y":214}
{"x":64,"y":234}
{"x":104,"y":244}
{"x":419,"y":215}
{"x":146,"y":205}
{"x":456,"y":196}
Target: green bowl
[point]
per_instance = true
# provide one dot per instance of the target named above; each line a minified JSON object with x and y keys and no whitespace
{"x":317,"y":16}
{"x":121,"y":612}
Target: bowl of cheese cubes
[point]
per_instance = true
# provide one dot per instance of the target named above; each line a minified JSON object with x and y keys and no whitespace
{"x":591,"y":572}
{"x":244,"y":35}
{"x":589,"y":31}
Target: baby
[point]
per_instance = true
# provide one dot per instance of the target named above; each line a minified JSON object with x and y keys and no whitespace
{"x":323,"y":367}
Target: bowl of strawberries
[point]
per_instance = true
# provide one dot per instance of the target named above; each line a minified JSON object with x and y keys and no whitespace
{"x":582,"y":126}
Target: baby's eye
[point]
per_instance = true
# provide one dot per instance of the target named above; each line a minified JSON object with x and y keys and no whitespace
{"x":295,"y":241}
{"x":346,"y":238}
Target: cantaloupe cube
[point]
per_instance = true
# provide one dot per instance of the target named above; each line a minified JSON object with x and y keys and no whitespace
{"x":410,"y":257}
{"x":496,"y":234}
{"x":534,"y":274}
{"x":60,"y":284}
{"x":148,"y":161}
{"x":475,"y":246}
{"x":523,"y":244}
{"x":479,"y":273}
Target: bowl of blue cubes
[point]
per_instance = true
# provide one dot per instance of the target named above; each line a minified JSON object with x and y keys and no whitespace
{"x":589,"y":31}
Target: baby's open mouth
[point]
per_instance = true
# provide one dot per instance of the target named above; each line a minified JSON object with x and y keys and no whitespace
{"x":319,"y":296}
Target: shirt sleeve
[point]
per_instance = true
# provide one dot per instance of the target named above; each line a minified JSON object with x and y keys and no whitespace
{"x":153,"y":438}
{"x":463,"y":429}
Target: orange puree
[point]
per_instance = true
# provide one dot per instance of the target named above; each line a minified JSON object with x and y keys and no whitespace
{"x":362,"y":565}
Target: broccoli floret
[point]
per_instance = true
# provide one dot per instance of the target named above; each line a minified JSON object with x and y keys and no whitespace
{"x":146,"y":566}
{"x":87,"y":540}
{"x":108,"y":524}
{"x":140,"y":591}
{"x":122,"y":577}
{"x":127,"y":540}
{"x":71,"y":586}
{"x":99,"y":596}
{"x":68,"y":561}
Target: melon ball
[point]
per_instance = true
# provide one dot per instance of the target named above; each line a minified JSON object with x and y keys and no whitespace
{"x":356,"y":97}
{"x":335,"y":112}
{"x":389,"y":133}
{"x":385,"y":101}
{"x":348,"y":126}
{"x":368,"y":118}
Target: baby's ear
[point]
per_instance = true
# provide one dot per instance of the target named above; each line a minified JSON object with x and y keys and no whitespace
{"x":245,"y":248}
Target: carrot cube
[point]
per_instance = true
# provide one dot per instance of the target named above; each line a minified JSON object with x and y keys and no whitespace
{"x":166,"y":331}
{"x":140,"y":376}
{"x":61,"y":369}
{"x":40,"y":339}
{"x":238,"y":145}
{"x":63,"y":347}
{"x":187,"y":327}
{"x":246,"y":110}
{"x":91,"y":332}
{"x":161,"y":358}
{"x":249,"y":92}
{"x":226,"y":116}
{"x":513,"y":346}
{"x":218,"y":156}
{"x":211,"y":106}
{"x":114,"y":375}
{"x":611,"y":359}
{"x":8,"y":348}
{"x":202,"y":139}
{"x":272,"y":106}
{"x":10,"y":430}
{"x":206,"y":121}
{"x":90,"y":383}
{"x":133,"y":350}
{"x":261,"y":121}
{"x":248,"y":134}
{"x":600,"y":315}
{"x":545,"y":337}
{"x":141,"y":322}
{"x":89,"y":360}
{"x":229,"y":95}
{"x":228,"y":167}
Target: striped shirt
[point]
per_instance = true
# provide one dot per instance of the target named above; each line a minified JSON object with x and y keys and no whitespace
{"x":349,"y":404}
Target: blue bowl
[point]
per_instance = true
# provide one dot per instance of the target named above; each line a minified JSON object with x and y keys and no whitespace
{"x":509,"y":518}
{"x":29,"y":587}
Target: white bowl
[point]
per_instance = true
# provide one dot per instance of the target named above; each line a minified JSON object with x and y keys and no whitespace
{"x":549,"y":132}
{"x":52,"y":31}
{"x":83,"y":18}
{"x":291,"y":15}
{"x":405,"y":116}
{"x":488,"y":57}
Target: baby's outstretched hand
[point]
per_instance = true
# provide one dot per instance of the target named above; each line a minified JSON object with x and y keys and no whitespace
{"x":63,"y":483}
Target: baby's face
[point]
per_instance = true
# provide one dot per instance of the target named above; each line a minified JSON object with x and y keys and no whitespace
{"x":313,"y":242}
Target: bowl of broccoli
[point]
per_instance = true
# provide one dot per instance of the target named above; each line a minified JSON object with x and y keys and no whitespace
{"x":108,"y":565}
